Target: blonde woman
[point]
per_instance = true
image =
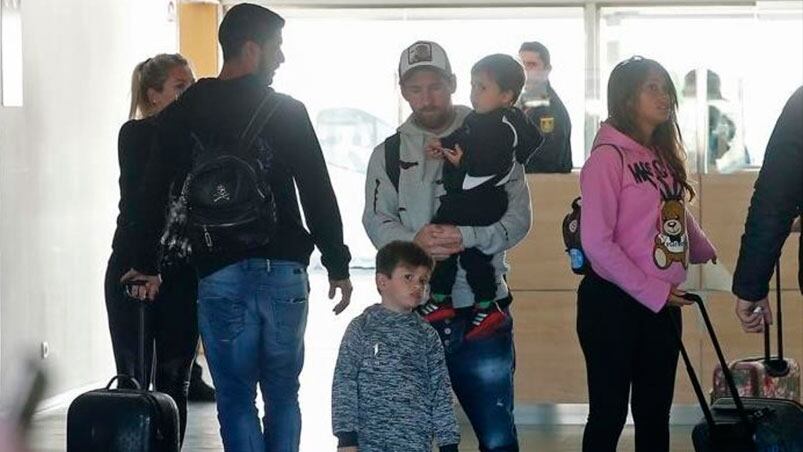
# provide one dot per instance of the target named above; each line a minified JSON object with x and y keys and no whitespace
{"x":171,"y":331}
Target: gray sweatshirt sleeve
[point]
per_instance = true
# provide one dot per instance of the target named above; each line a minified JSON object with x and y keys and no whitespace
{"x":344,"y":384}
{"x":447,"y":431}
{"x":512,"y":227}
{"x":381,"y":215}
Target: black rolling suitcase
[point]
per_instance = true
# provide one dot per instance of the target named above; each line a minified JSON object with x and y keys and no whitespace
{"x":124,"y":420}
{"x":741,"y":424}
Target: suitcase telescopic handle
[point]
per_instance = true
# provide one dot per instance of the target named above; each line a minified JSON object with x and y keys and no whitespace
{"x":141,"y":343}
{"x":698,"y":390}
{"x":139,"y":365}
{"x":776,"y":367}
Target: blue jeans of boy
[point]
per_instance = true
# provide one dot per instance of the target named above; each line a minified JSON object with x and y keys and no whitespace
{"x":252,"y":315}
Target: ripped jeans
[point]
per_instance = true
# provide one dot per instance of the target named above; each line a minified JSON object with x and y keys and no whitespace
{"x":481,"y":372}
{"x":252,"y":316}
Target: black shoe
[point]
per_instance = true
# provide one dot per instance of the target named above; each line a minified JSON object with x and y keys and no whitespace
{"x":200,"y":391}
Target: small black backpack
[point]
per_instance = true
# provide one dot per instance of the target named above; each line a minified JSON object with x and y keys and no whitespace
{"x":571,"y":232}
{"x":571,"y":238}
{"x":226,"y":201}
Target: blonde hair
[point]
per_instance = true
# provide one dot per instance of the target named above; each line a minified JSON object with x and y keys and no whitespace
{"x":151,"y":73}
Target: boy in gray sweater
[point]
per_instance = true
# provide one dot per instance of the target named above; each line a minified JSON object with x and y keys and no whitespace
{"x":391,"y":389}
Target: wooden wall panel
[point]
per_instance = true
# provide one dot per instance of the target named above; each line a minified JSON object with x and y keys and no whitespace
{"x":550,"y":366}
{"x":198,"y":24}
{"x":724,"y":201}
{"x":540,"y":259}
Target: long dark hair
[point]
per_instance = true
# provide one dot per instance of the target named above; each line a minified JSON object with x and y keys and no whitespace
{"x":624,"y":86}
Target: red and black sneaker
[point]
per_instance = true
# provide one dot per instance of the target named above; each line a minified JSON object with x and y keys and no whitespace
{"x":485,"y":322}
{"x":434,"y":311}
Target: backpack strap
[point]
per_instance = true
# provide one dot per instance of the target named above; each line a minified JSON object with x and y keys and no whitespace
{"x":392,"y":156}
{"x":618,"y":149}
{"x":270,"y":103}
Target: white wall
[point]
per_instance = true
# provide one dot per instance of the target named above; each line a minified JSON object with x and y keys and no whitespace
{"x":58,"y":179}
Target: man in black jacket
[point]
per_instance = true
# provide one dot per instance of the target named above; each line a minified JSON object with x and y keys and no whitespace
{"x":252,"y":305}
{"x":777,"y":200}
{"x":543,"y":107}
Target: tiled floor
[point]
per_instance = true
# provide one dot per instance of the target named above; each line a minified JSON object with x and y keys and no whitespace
{"x":202,"y":435}
{"x":324,"y":331}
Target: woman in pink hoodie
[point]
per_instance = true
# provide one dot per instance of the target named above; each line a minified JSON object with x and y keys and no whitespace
{"x":639,"y":238}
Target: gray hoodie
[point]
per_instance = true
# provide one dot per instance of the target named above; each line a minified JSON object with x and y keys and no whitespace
{"x":391,"y":390}
{"x":389,"y":215}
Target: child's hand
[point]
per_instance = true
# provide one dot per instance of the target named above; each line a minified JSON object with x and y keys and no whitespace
{"x":454,"y":155}
{"x":433,"y":148}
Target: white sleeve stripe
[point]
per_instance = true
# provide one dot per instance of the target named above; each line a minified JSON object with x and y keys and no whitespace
{"x":515,"y":134}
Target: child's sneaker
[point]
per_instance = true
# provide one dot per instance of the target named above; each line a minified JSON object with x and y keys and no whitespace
{"x":485,"y":322}
{"x":435,"y":311}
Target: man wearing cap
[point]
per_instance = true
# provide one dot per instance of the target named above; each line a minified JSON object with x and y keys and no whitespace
{"x":402,"y":193}
{"x":543,"y":107}
{"x":252,"y":303}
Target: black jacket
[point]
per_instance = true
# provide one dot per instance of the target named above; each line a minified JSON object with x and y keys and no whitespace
{"x":213,"y":106}
{"x":777,"y":200}
{"x":555,"y":155}
{"x":134,"y":144}
{"x":490,"y":142}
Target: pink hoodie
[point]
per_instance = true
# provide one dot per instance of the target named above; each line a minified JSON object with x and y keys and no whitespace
{"x":635,"y":228}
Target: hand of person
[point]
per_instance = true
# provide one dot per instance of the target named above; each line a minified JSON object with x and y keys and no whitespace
{"x":753,"y":315}
{"x":439,"y":241}
{"x":345,"y":290}
{"x":453,"y":155}
{"x":433,"y":148}
{"x":347,"y":449}
{"x":147,"y":287}
{"x":676,"y":298}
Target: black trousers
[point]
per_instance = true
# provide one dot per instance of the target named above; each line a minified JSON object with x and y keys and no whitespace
{"x":480,"y":207}
{"x":627,"y":348}
{"x":171,"y":332}
{"x":480,"y":274}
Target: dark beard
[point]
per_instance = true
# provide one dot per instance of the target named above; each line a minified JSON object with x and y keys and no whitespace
{"x":266,"y":74}
{"x":433,"y":123}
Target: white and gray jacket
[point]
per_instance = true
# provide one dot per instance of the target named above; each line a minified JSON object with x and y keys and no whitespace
{"x":390,"y":215}
{"x":391,"y":390}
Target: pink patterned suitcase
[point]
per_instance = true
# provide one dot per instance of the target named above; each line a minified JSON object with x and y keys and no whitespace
{"x":765,"y":377}
{"x":757,"y":378}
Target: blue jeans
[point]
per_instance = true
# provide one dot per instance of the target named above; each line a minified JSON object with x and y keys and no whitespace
{"x":252,"y":316}
{"x":482,"y":378}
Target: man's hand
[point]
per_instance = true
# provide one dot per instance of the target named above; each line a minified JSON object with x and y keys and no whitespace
{"x":149,"y":287}
{"x":754,"y":315}
{"x":433,"y":149}
{"x":439,"y":240}
{"x":347,"y":449}
{"x":345,"y":290}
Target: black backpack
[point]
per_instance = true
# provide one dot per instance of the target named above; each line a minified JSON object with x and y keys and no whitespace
{"x":392,"y":162}
{"x":571,"y":238}
{"x":226,"y":202}
{"x":571,"y":232}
